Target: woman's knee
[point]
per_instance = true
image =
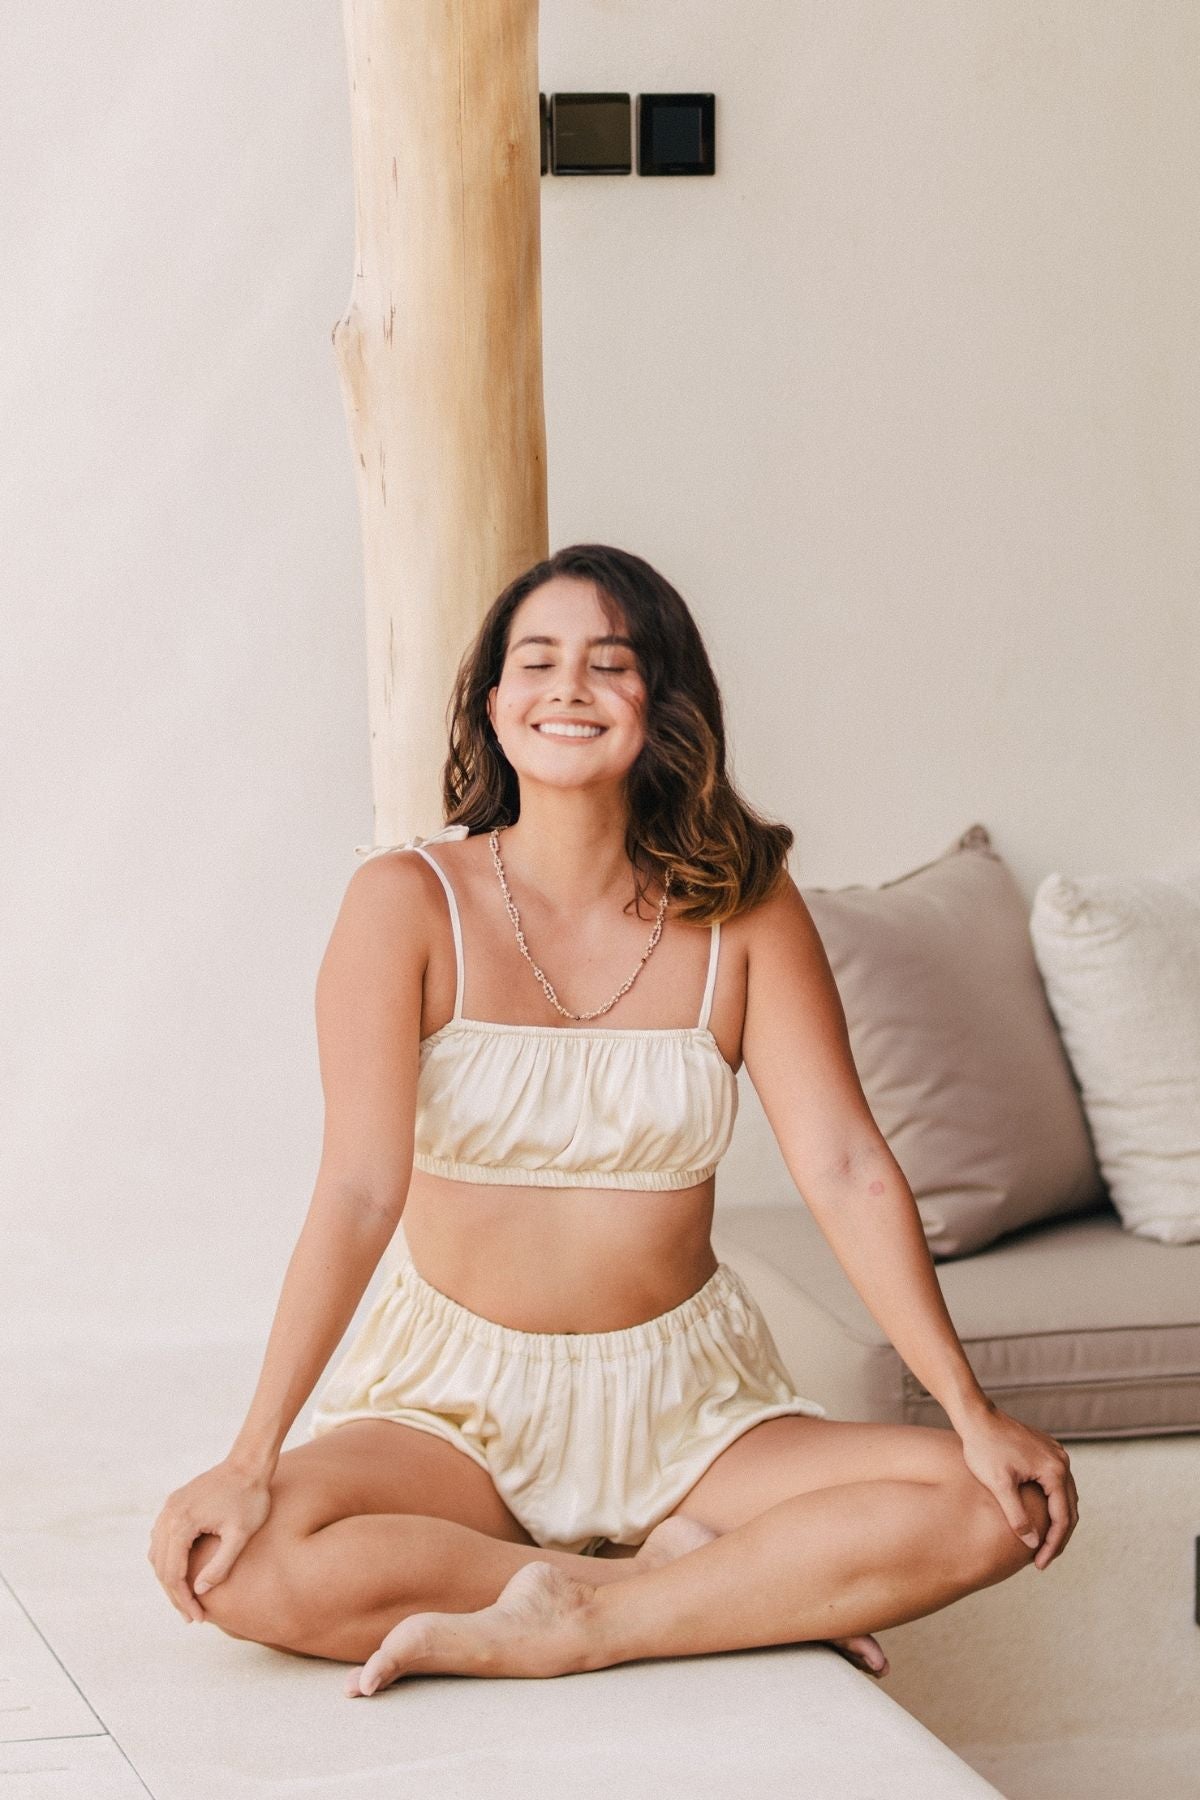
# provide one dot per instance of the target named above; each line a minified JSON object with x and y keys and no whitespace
{"x":262,"y":1598}
{"x":997,"y":1550}
{"x":258,"y":1599}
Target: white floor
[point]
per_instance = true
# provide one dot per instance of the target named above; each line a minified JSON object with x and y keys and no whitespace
{"x":109,"y":1694}
{"x":106,"y":1694}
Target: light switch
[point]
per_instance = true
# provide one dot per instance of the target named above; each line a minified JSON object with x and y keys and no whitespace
{"x":590,"y":134}
{"x":675,"y":134}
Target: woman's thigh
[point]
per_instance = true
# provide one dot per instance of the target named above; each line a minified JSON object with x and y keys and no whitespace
{"x":794,"y":1454}
{"x":382,"y":1466}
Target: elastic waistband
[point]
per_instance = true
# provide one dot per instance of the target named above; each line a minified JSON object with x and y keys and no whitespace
{"x":722,"y":1286}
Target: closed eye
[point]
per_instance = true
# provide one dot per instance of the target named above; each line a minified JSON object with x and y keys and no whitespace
{"x":604,"y":668}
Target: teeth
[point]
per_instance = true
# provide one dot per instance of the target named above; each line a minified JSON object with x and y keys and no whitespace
{"x":570,"y":730}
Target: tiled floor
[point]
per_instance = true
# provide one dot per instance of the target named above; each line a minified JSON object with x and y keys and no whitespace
{"x":82,"y":1768}
{"x":52,"y":1745}
{"x":38,"y":1699}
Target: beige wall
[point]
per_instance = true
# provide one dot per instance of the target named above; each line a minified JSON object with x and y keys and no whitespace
{"x":904,"y":400}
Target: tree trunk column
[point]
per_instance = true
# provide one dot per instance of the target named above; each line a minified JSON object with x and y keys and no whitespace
{"x":439,"y":357}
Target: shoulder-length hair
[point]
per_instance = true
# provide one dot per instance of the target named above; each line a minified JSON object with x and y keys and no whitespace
{"x":684,"y":812}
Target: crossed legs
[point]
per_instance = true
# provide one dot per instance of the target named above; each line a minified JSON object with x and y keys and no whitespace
{"x":824,"y":1529}
{"x":368,"y":1523}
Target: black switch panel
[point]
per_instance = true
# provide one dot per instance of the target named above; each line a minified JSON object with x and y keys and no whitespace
{"x":590,"y":134}
{"x":675,"y":134}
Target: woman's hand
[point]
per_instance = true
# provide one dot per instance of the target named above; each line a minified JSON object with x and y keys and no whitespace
{"x":1003,"y":1453}
{"x":224,"y":1502}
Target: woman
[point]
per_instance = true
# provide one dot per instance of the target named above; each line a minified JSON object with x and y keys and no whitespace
{"x":563,"y":1437}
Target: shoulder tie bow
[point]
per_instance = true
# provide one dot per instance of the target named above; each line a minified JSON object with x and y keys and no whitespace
{"x":446,"y":835}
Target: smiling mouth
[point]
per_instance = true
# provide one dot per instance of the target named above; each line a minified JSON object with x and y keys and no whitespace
{"x":577,"y":734}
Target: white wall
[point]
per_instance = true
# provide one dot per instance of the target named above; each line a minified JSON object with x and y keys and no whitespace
{"x":904,"y":400}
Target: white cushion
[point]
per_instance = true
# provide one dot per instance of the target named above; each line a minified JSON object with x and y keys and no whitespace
{"x":1120,"y":960}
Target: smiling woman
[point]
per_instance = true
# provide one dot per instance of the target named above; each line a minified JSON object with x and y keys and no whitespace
{"x":560,"y":1388}
{"x":633,"y":667}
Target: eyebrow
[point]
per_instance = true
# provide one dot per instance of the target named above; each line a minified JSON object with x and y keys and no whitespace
{"x":627,"y":642}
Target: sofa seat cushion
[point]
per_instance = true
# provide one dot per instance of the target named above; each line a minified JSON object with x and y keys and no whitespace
{"x":1074,"y":1325}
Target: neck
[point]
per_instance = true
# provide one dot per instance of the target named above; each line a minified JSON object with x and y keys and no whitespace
{"x":567,"y":850}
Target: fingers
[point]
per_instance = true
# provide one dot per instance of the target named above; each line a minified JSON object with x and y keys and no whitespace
{"x":176,"y":1580}
{"x":224,"y":1505}
{"x":1015,"y":1511}
{"x":169,"y":1551}
{"x":217,"y":1567}
{"x":172,"y":1578}
{"x":1063,"y":1503}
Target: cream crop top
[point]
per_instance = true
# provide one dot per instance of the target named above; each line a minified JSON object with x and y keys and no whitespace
{"x":569,"y":1106}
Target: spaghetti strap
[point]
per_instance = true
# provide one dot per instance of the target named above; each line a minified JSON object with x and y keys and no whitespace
{"x":417,"y":843}
{"x":456,"y":927}
{"x":710,"y":984}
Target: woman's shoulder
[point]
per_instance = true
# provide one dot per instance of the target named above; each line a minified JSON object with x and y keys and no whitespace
{"x":780,"y":942}
{"x":390,"y":868}
{"x":392,"y":895}
{"x":769,"y":913}
{"x":778,"y":926}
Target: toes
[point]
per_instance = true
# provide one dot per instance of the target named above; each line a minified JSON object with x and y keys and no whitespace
{"x":865,"y":1652}
{"x":400,"y":1649}
{"x":378,"y":1671}
{"x":369,"y":1678}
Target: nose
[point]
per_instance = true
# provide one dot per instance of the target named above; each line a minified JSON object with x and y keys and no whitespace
{"x":571,"y":685}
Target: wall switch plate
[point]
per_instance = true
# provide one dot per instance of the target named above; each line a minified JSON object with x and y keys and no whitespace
{"x":590,"y":134}
{"x":675,"y":134}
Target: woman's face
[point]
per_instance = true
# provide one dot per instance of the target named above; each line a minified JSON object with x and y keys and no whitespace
{"x":563,"y":666}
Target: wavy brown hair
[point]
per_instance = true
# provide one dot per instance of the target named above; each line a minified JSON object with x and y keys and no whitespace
{"x":684,"y":812}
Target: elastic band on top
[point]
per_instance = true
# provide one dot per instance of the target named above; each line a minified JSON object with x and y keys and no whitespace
{"x":724,"y":1288}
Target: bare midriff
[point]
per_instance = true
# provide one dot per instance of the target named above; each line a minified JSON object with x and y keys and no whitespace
{"x":560,"y":1259}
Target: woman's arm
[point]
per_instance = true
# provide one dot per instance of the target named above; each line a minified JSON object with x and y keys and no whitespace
{"x":336,"y":1253}
{"x":368,"y":1030}
{"x":867,"y":1212}
{"x":368,"y":1008}
{"x":797,"y":1052}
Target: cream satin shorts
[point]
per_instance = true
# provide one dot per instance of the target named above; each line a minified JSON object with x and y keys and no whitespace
{"x":587,"y":1435}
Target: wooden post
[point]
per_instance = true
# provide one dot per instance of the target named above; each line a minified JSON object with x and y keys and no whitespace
{"x":439,"y":357}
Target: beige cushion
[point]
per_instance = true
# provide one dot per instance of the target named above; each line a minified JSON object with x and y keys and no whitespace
{"x":1120,"y":957}
{"x":956,"y":1048}
{"x":1074,"y":1326}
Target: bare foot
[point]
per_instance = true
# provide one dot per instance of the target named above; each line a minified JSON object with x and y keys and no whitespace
{"x":534,"y":1628}
{"x":676,"y":1535}
{"x":538,"y":1625}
